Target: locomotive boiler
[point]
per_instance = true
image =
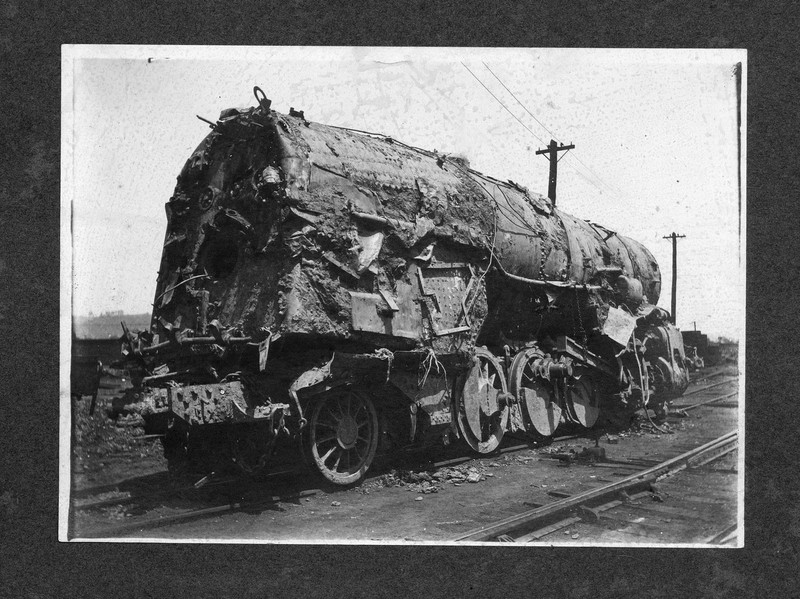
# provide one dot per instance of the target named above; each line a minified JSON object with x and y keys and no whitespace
{"x":355,"y":295}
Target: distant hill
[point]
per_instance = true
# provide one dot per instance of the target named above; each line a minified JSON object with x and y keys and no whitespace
{"x":107,"y":325}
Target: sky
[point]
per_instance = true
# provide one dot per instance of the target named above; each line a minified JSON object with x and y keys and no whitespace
{"x":655,"y":136}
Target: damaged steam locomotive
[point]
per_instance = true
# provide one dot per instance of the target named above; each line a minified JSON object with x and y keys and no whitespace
{"x":355,"y":295}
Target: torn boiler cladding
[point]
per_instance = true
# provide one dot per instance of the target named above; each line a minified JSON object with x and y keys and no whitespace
{"x":360,"y":295}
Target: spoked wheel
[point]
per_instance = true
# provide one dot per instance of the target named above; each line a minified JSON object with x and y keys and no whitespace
{"x":343,"y":435}
{"x":583,"y":400}
{"x":481,"y":419}
{"x":542,"y":412}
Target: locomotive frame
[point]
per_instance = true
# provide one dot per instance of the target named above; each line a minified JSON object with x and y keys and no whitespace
{"x":353,"y":294}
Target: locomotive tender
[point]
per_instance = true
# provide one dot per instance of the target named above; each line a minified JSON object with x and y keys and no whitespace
{"x":355,"y":294}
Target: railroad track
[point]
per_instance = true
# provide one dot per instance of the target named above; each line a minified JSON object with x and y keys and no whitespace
{"x":713,"y":400}
{"x":207,"y":482}
{"x":162,"y":507}
{"x":727,"y":381}
{"x":590,"y":507}
{"x":230,"y":486}
{"x":163,"y":520}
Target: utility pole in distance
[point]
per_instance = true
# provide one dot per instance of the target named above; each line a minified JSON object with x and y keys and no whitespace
{"x":674,"y":237}
{"x":552,"y":151}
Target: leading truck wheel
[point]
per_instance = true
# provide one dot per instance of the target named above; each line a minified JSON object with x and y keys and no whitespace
{"x":481,"y":417}
{"x":342,"y":435}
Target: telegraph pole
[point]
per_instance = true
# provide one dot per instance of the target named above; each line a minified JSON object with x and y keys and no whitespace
{"x":551,"y":153}
{"x":674,"y":237}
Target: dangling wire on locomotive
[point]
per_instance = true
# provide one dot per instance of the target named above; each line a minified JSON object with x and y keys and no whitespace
{"x":345,"y":290}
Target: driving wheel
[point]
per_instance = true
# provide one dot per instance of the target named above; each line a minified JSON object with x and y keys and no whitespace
{"x":481,"y":417}
{"x":542,"y":413}
{"x":583,"y":400}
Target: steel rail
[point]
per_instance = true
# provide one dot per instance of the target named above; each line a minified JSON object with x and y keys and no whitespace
{"x":160,"y":521}
{"x":693,"y":391}
{"x":680,"y":408}
{"x":207,"y":482}
{"x":503,"y":450}
{"x":149,"y":497}
{"x":710,"y":373}
{"x":643,"y":478}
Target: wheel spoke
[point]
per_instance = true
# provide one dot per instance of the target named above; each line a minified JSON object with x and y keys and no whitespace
{"x":336,"y":417}
{"x":349,"y":402}
{"x":334,"y":410}
{"x":325,"y":439}
{"x":484,"y":373}
{"x":327,"y":455}
{"x":335,"y":466}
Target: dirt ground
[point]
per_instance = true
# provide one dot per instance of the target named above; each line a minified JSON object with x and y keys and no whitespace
{"x":394,"y":504}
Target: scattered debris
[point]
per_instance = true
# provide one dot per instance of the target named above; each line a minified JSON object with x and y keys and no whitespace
{"x":593,"y":454}
{"x":553,"y":449}
{"x":131,"y":420}
{"x":588,"y":514}
{"x":560,"y":494}
{"x":426,"y":482}
{"x":418,"y":498}
{"x":336,"y":503}
{"x":657,"y":494}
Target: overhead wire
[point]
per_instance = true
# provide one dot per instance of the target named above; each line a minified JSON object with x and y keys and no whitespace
{"x":520,"y":103}
{"x":501,"y":103}
{"x":554,"y":136}
{"x":526,"y":110}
